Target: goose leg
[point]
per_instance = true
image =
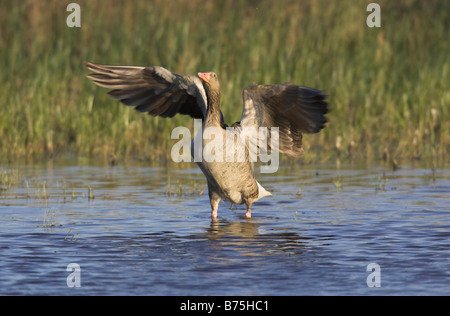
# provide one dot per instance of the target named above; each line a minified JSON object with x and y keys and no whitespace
{"x":214,"y":207}
{"x":214,"y":199}
{"x":248,"y":214}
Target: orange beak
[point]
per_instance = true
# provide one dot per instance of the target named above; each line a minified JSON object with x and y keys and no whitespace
{"x":205,"y":76}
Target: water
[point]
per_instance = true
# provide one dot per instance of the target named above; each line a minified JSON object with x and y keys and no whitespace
{"x":135,"y":239}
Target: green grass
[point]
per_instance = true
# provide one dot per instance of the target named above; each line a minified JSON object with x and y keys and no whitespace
{"x":388,"y":87}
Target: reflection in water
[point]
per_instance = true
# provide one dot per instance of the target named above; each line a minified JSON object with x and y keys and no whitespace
{"x":220,"y":228}
{"x":245,"y":238}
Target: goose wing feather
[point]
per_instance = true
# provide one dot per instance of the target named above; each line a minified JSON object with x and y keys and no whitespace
{"x":293,"y":109}
{"x":154,"y":90}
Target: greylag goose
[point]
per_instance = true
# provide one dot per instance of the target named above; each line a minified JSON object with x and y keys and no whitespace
{"x":287,"y":108}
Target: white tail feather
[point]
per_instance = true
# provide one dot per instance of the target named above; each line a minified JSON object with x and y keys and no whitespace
{"x":262,"y":192}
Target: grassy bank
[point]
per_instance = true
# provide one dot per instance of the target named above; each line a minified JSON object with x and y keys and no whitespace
{"x":388,"y":87}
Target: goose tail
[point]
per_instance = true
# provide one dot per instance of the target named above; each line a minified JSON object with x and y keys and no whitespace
{"x":262,"y":192}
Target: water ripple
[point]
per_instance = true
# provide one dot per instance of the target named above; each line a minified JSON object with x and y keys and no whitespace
{"x":135,"y":239}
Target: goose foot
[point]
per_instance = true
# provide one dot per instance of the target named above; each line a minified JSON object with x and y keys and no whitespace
{"x":214,"y":214}
{"x":249,"y":213}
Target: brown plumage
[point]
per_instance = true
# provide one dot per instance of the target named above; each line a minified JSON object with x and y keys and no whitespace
{"x":293,"y":109}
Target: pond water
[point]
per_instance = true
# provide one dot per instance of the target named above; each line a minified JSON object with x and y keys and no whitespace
{"x":147,"y":231}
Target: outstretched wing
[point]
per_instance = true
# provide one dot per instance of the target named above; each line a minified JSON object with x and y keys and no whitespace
{"x":293,"y":109}
{"x":155,"y":90}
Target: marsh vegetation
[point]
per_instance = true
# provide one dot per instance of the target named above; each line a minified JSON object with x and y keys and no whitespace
{"x":388,"y":86}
